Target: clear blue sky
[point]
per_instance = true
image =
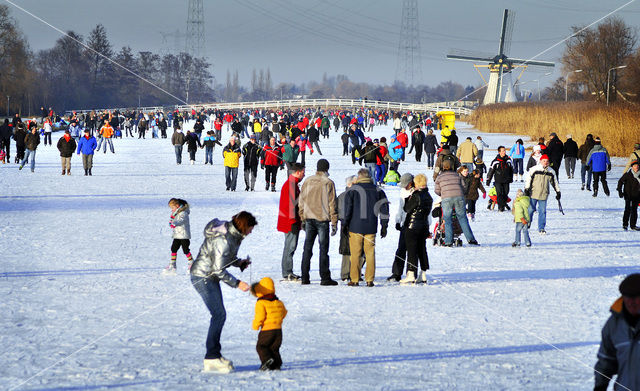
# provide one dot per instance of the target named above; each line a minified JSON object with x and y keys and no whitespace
{"x":299,"y":40}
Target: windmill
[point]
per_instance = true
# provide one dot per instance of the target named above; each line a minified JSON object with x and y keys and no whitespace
{"x":500,"y":65}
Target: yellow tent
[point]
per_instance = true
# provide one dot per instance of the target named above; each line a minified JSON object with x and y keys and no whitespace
{"x":446,"y":118}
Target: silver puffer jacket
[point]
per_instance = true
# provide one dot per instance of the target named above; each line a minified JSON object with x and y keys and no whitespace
{"x":180,"y":220}
{"x":219,"y":251}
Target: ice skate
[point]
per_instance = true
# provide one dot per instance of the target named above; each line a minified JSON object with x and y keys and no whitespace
{"x":218,"y":365}
{"x":170,"y":270}
{"x":409,"y":279}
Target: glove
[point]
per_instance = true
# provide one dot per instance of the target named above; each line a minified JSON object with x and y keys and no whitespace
{"x":489,"y":184}
{"x":398,"y":227}
{"x":311,"y":152}
{"x":484,"y":195}
{"x":558,"y":196}
{"x":244,"y":264}
{"x":262,"y":166}
{"x":527,"y":192}
{"x":383,"y":231}
{"x":620,"y":194}
{"x":171,"y":225}
{"x":609,"y":167}
{"x":334,"y":229}
{"x":282,"y":167}
{"x":302,"y":225}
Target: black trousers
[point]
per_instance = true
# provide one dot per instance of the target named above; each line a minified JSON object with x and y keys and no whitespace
{"x":471,"y":206}
{"x":502,"y":192}
{"x":418,"y":148}
{"x":47,"y":137}
{"x":177,"y":243}
{"x":268,"y":347}
{"x":630,"y":211}
{"x":602,"y":176}
{"x":401,"y":252}
{"x":416,"y":241}
{"x":7,"y":147}
{"x":270,"y":173}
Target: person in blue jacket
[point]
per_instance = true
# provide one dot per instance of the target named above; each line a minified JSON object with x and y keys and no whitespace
{"x":87,"y":145}
{"x":517,"y":157}
{"x":599,"y":162}
{"x":395,"y":152}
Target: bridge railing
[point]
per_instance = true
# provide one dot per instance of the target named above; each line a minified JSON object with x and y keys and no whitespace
{"x":459,"y":107}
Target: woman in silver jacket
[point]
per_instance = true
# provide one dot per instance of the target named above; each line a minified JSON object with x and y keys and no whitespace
{"x":217,"y":253}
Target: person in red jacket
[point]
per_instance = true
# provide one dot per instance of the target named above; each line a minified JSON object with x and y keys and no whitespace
{"x":270,"y":161}
{"x":403,"y":139}
{"x":217,"y":125}
{"x":289,"y":219}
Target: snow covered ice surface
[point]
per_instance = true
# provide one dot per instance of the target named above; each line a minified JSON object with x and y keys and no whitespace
{"x":85,"y":306}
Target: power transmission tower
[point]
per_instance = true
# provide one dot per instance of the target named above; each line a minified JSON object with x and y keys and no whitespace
{"x":195,"y":28}
{"x":409,"y":67}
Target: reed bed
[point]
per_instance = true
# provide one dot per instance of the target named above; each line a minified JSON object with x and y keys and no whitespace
{"x":618,"y":125}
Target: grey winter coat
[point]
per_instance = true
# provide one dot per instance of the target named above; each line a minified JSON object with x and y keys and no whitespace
{"x":180,"y":219}
{"x":539,"y":180}
{"x":218,"y":251}
{"x":619,"y":352}
{"x":449,"y":184}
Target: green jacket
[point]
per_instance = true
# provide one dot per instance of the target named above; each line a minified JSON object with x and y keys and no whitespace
{"x":392,"y":177}
{"x":521,"y":209}
{"x":290,"y":155}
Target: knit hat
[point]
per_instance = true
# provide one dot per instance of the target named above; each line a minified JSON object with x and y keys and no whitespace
{"x":553,"y":134}
{"x":635,"y":162}
{"x":375,"y":141}
{"x":253,"y":137}
{"x":597,"y":140}
{"x":405,"y":179}
{"x":322,"y":165}
{"x":569,"y":136}
{"x":545,"y":156}
{"x":537,"y":148}
{"x":630,"y":286}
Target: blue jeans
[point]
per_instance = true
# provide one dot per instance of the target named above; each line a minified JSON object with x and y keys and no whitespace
{"x":584,"y":169}
{"x":211,"y":294}
{"x":107,"y":141}
{"x":29,"y":153}
{"x":541,"y":207}
{"x":231,"y":177}
{"x":517,"y":166}
{"x":178,"y":149}
{"x":290,"y":245}
{"x":154,"y":132}
{"x":372,"y":169}
{"x":525,"y":231}
{"x":208,"y":155}
{"x":469,"y":167}
{"x":430,"y":159}
{"x":320,"y":229}
{"x":381,"y":171}
{"x":448,"y":206}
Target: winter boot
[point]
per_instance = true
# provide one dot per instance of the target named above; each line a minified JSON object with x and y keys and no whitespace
{"x":582,"y":188}
{"x":86,"y":172}
{"x":595,"y":193}
{"x":89,"y":172}
{"x":68,"y":171}
{"x":266,"y":187}
{"x":217,"y":365}
{"x":268,"y":365}
{"x":273,"y":187}
{"x":64,"y":171}
{"x":409,"y":279}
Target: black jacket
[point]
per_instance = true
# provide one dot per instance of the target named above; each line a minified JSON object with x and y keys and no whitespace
{"x":237,"y":127}
{"x":629,"y":185}
{"x":555,"y":151}
{"x":66,"y":148}
{"x":501,"y":170}
{"x":193,"y":142}
{"x":570,"y":148}
{"x":364,"y":203}
{"x":251,"y":152}
{"x":5,"y":131}
{"x":313,"y":134}
{"x":418,"y":207}
{"x":431,"y":143}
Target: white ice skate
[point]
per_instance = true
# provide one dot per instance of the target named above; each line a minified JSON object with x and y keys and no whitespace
{"x":169,"y":270}
{"x":218,"y":365}
{"x":409,"y":279}
{"x":423,"y":277}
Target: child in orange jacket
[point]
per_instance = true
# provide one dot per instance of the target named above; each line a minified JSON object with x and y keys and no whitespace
{"x":270,"y":312}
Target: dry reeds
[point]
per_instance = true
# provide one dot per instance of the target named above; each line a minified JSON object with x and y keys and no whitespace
{"x":617,"y":125}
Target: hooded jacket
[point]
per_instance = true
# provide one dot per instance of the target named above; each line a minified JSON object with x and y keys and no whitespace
{"x":598,"y":159}
{"x":619,"y":351}
{"x":270,"y":311}
{"x":218,"y":251}
{"x":66,"y":145}
{"x":180,"y":221}
{"x":521,"y":209}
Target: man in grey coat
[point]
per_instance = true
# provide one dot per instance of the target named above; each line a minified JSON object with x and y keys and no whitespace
{"x":450,"y":187}
{"x":619,"y":352}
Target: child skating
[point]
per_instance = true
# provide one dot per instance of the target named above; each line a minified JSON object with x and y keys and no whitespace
{"x":270,"y":312}
{"x":179,"y":223}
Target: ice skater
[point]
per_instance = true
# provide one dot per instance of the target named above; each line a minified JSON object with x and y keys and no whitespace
{"x":179,"y":223}
{"x":270,"y":312}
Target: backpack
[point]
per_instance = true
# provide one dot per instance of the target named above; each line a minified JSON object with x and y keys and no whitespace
{"x":449,"y":157}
